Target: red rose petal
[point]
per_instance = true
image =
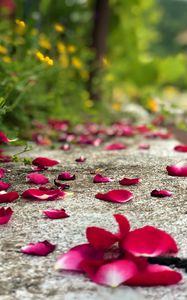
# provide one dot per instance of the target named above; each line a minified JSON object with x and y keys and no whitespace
{"x":155,"y":275}
{"x":114,"y":273}
{"x":55,"y":213}
{"x":2,"y":172}
{"x":161,"y":193}
{"x":123,"y":225}
{"x":3,"y":138}
{"x":66,"y":176}
{"x":5,"y":215}
{"x":43,"y":162}
{"x":62,"y":186}
{"x":100,"y":238}
{"x":43,"y":194}
{"x":118,"y":196}
{"x":4,"y":185}
{"x":117,"y":146}
{"x":39,"y":249}
{"x":37,"y":178}
{"x":5,"y":158}
{"x":130,"y":181}
{"x":81,"y":159}
{"x":175,"y":170}
{"x":98,"y":178}
{"x":72,"y":259}
{"x":6,"y":197}
{"x":181,"y":148}
{"x":149,"y":241}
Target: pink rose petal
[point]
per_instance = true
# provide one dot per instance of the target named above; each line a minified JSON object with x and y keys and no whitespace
{"x":155,"y":275}
{"x":72,"y":259}
{"x":65,"y":147}
{"x":4,"y":185}
{"x":55,"y":213}
{"x":130,"y":181}
{"x":181,"y":148}
{"x":43,"y":194}
{"x":118,"y":196}
{"x":37,"y":178}
{"x":144,"y":146}
{"x":114,"y":273}
{"x":43,"y":162}
{"x":6,"y":197}
{"x":177,"y":170}
{"x":161,"y":193}
{"x":117,"y":146}
{"x":5,"y":215}
{"x":39,"y":249}
{"x":98,"y":178}
{"x":123,"y":224}
{"x":100,"y":238}
{"x":149,"y":241}
{"x":66,"y":176}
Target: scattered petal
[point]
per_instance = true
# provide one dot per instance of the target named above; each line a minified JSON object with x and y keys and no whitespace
{"x":175,"y":170}
{"x":43,"y":194}
{"x":98,"y":178}
{"x":6,"y":197}
{"x":62,"y":186}
{"x":55,"y":213}
{"x":39,"y":249}
{"x":123,"y":224}
{"x":43,"y":162}
{"x":80,"y":159}
{"x":72,"y":259}
{"x":149,"y":241}
{"x":37,"y":178}
{"x":181,"y":148}
{"x":117,"y":146}
{"x":144,"y":146}
{"x":161,"y":193}
{"x":65,"y":147}
{"x":130,"y":181}
{"x":5,"y":215}
{"x":119,"y":196}
{"x":2,"y":172}
{"x":66,"y":176}
{"x":3,"y":138}
{"x":5,"y":158}
{"x":4,"y":185}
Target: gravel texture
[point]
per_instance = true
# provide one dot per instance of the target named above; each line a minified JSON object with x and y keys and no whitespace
{"x":34,"y":278}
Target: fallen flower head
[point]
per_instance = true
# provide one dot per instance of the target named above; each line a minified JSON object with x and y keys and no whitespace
{"x":122,"y":258}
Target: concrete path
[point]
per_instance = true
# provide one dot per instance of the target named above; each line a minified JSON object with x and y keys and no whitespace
{"x":25,"y":277}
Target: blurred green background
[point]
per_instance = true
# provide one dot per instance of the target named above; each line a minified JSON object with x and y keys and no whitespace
{"x":88,"y":60}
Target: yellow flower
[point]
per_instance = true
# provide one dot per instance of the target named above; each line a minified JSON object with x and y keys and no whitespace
{"x":109,"y":77}
{"x":49,"y":61}
{"x":152,"y":105}
{"x":34,"y":32}
{"x":59,"y":28}
{"x":105,"y":61}
{"x":116,"y":106}
{"x":64,"y":60}
{"x":76,"y":62}
{"x":3,"y":50}
{"x":88,"y":103}
{"x":40,"y":56}
{"x":44,"y":42}
{"x":71,"y":49}
{"x":61,"y":47}
{"x":21,"y":26}
{"x":7,"y":59}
